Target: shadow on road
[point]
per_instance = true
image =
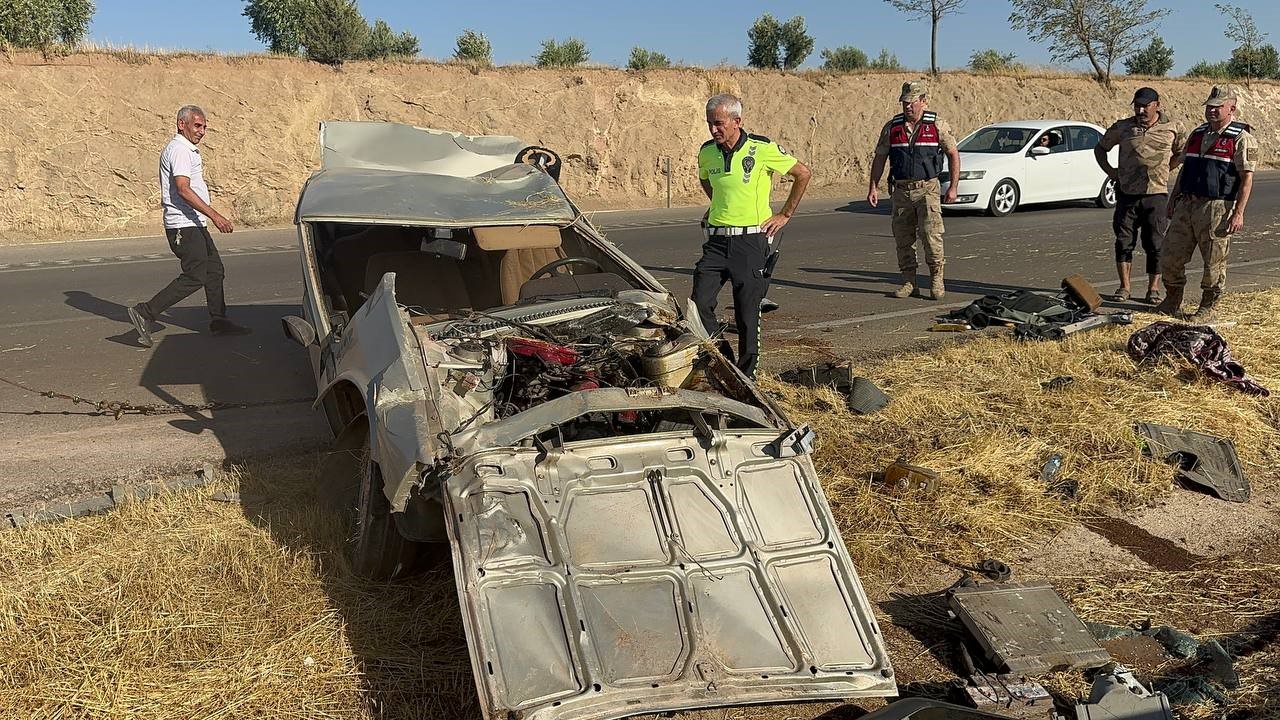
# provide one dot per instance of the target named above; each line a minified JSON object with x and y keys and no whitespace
{"x":260,"y":383}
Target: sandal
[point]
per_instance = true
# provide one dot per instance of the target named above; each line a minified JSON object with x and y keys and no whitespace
{"x":1154,"y":297}
{"x":1121,"y":295}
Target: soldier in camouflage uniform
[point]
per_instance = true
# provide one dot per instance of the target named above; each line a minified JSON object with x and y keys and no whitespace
{"x":1207,"y":204}
{"x":1150,"y":148}
{"x":914,"y":143}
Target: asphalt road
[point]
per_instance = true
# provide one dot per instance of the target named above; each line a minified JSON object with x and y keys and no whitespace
{"x":63,"y":325}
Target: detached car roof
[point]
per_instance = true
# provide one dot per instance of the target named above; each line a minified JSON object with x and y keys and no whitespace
{"x":388,"y":173}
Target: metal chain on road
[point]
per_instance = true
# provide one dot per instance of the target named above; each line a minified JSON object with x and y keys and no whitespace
{"x":117,"y":408}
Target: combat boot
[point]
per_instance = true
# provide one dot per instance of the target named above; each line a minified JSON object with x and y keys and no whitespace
{"x":936,"y":286}
{"x":908,"y":285}
{"x":1172,"y":303}
{"x":1204,"y":313}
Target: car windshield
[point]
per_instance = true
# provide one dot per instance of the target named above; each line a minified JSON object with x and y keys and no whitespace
{"x":997,"y":140}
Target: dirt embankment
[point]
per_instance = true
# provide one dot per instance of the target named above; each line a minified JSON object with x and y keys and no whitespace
{"x":81,"y":135}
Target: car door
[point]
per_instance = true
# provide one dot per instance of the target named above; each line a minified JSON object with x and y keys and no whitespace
{"x":1045,"y":174}
{"x":1085,"y":177}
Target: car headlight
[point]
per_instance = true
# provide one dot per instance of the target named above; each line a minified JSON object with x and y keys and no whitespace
{"x":972,"y":174}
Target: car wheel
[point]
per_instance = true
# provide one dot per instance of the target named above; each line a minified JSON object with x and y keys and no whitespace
{"x":1004,"y":198}
{"x":378,"y":551}
{"x":1107,"y":195}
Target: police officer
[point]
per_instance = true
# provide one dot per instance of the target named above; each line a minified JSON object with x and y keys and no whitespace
{"x":1150,"y":148}
{"x":1207,"y":204}
{"x":736,"y":169}
{"x":914,"y":143}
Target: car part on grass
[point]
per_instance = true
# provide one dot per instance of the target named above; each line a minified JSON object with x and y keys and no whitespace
{"x":1199,"y":345}
{"x":861,"y":395}
{"x":901,"y":478}
{"x":1026,"y":628}
{"x":1055,"y":331}
{"x":1082,"y":291}
{"x":1117,"y":695}
{"x":1208,"y":653}
{"x":1058,"y":383}
{"x":1015,"y":697}
{"x":1203,"y":460}
{"x":992,"y":569}
{"x":792,"y":443}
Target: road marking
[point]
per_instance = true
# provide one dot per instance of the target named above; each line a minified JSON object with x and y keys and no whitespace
{"x":935,"y":309}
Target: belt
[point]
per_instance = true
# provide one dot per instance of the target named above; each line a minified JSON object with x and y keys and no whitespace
{"x":912,"y":183}
{"x":719,"y":230}
{"x":1202,"y":198}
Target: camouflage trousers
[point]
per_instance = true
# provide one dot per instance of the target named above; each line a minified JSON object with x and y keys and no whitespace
{"x":1197,"y":223}
{"x":917,"y":215}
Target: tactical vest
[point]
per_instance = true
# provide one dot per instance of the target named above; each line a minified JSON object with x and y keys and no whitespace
{"x":919,"y":158}
{"x":1207,"y":170}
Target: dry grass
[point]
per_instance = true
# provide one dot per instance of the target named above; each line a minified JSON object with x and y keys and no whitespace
{"x":976,"y":412}
{"x":186,"y":607}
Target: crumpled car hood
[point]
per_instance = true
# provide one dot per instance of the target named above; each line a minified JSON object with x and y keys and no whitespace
{"x":654,"y":573}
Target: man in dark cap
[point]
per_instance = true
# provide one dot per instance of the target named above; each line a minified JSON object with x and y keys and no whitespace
{"x":1150,"y":147}
{"x":1207,"y":203}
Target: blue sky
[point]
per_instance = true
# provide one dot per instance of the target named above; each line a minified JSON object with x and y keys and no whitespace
{"x":697,"y":33}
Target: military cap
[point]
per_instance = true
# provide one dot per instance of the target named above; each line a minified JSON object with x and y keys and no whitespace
{"x":1220,"y":95}
{"x":1145,"y":95}
{"x":912,"y":90}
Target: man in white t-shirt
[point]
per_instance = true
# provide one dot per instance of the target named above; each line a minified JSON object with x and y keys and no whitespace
{"x":184,"y":197}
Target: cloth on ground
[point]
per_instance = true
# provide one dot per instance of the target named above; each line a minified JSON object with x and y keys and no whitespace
{"x":1200,"y":345}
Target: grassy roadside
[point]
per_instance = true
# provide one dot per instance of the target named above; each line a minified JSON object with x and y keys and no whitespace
{"x":184,"y":606}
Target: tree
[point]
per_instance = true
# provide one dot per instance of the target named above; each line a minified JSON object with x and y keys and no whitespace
{"x":778,"y":46}
{"x":1249,"y":49}
{"x":797,"y":44}
{"x":642,"y":59}
{"x":567,"y":54}
{"x":381,"y":43}
{"x":763,"y":49}
{"x":992,"y":60}
{"x":334,"y":32}
{"x":1260,"y":62}
{"x":1154,"y":59}
{"x":844,"y":59}
{"x":885,"y":61}
{"x":43,"y":23}
{"x":1206,"y":69}
{"x":278,"y":23}
{"x":935,"y":10}
{"x":474,"y":47}
{"x":1095,"y":30}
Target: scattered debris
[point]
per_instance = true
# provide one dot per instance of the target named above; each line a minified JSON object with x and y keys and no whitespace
{"x":949,"y":327}
{"x":1199,"y":345}
{"x":1117,"y":695}
{"x":901,"y":478}
{"x":1183,"y":646}
{"x":1039,"y":315}
{"x":1026,"y":628}
{"x":1014,"y":697}
{"x":1204,"y":460}
{"x":1057,"y":383}
{"x":861,"y":395}
{"x":993,"y":569}
{"x":1049,"y":470}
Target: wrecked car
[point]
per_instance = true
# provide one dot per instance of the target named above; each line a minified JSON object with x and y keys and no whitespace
{"x":634,"y":526}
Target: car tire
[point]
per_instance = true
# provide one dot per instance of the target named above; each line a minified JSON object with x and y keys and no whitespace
{"x":378,"y":551}
{"x":1004,"y":198}
{"x":1107,"y":195}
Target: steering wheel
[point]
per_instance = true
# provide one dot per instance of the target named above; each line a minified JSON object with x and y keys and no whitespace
{"x":550,"y":268}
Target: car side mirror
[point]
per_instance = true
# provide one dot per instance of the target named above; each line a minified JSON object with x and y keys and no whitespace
{"x":298,"y":330}
{"x":1039,"y":150}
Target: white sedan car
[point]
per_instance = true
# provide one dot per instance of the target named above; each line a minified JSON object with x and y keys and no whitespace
{"x":1012,"y":163}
